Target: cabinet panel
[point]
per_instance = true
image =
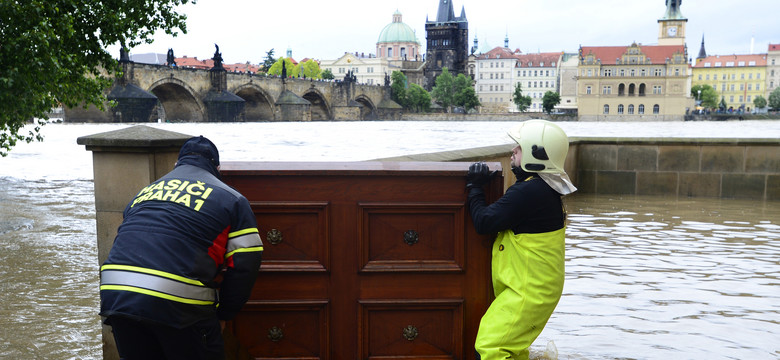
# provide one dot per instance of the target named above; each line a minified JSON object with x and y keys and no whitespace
{"x":411,"y":237}
{"x":295,"y":235}
{"x":403,"y":329}
{"x":284,"y":329}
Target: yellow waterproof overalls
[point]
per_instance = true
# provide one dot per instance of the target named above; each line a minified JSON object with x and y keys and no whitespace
{"x":528,"y":274}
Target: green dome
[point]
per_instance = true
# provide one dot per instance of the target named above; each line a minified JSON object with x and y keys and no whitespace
{"x":397,"y":31}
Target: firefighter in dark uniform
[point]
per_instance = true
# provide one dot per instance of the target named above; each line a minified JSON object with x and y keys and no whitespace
{"x":528,"y":253}
{"x":159,"y":287}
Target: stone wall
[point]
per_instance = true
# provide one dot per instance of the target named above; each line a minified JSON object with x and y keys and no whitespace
{"x":715,"y":168}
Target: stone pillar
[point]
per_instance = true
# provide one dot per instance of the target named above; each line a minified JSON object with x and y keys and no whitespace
{"x":123,"y":162}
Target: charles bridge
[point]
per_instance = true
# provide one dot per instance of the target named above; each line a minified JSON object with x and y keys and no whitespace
{"x":151,"y":93}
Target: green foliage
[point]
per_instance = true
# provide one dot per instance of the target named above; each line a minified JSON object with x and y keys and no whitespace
{"x":443,"y":91}
{"x":419,"y":100}
{"x":708,"y":97}
{"x":722,"y":106}
{"x":52,"y":52}
{"x":759,"y":102}
{"x":310,"y":69}
{"x":398,"y":82}
{"x":276,"y":68}
{"x":327,"y":74}
{"x":269,"y":60}
{"x":464,"y":94}
{"x":550,"y":100}
{"x":522,"y":102}
{"x":774,"y":99}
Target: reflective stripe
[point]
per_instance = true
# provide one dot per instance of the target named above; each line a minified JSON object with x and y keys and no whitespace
{"x":152,"y":272}
{"x":251,"y":240}
{"x":167,"y":288}
{"x":242,"y":232}
{"x":250,"y":249}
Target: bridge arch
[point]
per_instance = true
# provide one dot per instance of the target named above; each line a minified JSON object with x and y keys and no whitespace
{"x":259,"y":104}
{"x":177,"y":100}
{"x":368,"y":111}
{"x":320,"y":110}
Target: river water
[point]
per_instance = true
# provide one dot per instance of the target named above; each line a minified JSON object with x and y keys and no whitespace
{"x":647,"y":277}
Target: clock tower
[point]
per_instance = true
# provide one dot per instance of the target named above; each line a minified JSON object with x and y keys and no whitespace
{"x":671,"y":27}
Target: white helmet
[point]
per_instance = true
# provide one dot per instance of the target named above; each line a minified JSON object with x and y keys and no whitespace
{"x":544,"y":146}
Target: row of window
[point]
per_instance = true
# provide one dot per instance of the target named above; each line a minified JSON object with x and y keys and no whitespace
{"x":733,"y":76}
{"x":640,"y":109}
{"x":608,"y":72}
{"x":520,"y":63}
{"x":632,"y":90}
{"x":732,"y":87}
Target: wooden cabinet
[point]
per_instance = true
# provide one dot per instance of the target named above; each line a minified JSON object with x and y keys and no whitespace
{"x":364,"y":260}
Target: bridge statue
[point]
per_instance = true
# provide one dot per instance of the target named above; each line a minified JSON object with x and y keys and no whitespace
{"x":171,"y":59}
{"x":217,"y":57}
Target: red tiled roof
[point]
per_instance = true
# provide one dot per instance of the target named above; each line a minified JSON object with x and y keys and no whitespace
{"x":724,"y":60}
{"x":533,"y":60}
{"x":499,"y":53}
{"x":774,"y":47}
{"x":656,"y":53}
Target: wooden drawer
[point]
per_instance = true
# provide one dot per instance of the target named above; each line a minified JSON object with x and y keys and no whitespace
{"x":411,"y":237}
{"x":284,"y":329}
{"x":404,"y":329}
{"x":295,"y":235}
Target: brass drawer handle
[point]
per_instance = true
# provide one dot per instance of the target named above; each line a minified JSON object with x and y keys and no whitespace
{"x":411,"y":237}
{"x":410,"y":333}
{"x":275,"y":236}
{"x":275,"y":334}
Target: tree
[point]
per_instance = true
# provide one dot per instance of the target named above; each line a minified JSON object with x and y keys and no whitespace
{"x":276,"y":68}
{"x":54,"y":53}
{"x":398,"y":83}
{"x":464,"y":94}
{"x":269,"y":60}
{"x":759,"y":102}
{"x":310,"y":69}
{"x":522,"y":102}
{"x":442,"y":92}
{"x":327,"y":74}
{"x":418,"y":99}
{"x":550,"y":100}
{"x":774,"y":99}
{"x":708,"y":96}
{"x":722,"y":105}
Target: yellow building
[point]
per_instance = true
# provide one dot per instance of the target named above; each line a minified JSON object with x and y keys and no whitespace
{"x":738,"y":79}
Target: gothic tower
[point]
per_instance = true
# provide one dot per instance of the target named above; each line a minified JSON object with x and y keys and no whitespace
{"x":671,"y":27}
{"x":447,"y":43}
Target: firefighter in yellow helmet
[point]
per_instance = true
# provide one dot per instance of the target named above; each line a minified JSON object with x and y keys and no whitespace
{"x":528,"y":252}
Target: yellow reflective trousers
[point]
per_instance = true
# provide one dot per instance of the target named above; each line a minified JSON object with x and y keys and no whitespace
{"x":528,"y":274}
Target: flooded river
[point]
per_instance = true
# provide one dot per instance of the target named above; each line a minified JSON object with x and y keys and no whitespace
{"x":647,"y":277}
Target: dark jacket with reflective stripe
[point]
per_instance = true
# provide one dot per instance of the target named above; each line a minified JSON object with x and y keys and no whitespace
{"x":177,"y":235}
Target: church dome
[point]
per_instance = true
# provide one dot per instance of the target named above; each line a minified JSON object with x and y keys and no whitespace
{"x":397,"y":32}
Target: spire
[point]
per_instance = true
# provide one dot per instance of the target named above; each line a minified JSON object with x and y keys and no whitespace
{"x":702,"y":52}
{"x":463,"y":13}
{"x":673,"y":10}
{"x":445,"y":13}
{"x":506,"y":40}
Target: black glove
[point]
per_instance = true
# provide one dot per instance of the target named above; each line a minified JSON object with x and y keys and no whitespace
{"x":478,"y":175}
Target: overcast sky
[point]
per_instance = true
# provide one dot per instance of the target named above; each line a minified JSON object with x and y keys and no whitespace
{"x":246,"y":29}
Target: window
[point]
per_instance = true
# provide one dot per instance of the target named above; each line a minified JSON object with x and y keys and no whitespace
{"x":480,"y":75}
{"x":657,"y":89}
{"x":631,"y":109}
{"x":723,"y":87}
{"x":389,"y":52}
{"x":732,"y":87}
{"x":741,"y":87}
{"x":587,"y":90}
{"x":641,"y":89}
{"x":700,"y":76}
{"x":731,"y":98}
{"x":676,"y":72}
{"x":607,"y":72}
{"x":518,"y":73}
{"x":622,"y":72}
{"x":620,"y":109}
{"x":748,"y":98}
{"x":656,"y":109}
{"x":621,"y":89}
{"x":590,"y":72}
{"x":708,"y":77}
{"x":741,"y":99}
{"x":715,"y":77}
{"x":607,"y":90}
{"x":742,"y":76}
{"x":644,"y":72}
{"x":606,"y":109}
{"x":641,"y":109}
{"x":758,"y":87}
{"x":633,"y":72}
{"x":658,"y":72}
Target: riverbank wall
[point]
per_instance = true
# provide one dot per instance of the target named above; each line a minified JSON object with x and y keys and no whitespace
{"x":675,"y":167}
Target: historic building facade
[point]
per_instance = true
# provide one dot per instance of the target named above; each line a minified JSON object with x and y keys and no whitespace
{"x":772,"y":69}
{"x":638,"y":82}
{"x":498,"y":71}
{"x":737,"y":79}
{"x":446,"y":43}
